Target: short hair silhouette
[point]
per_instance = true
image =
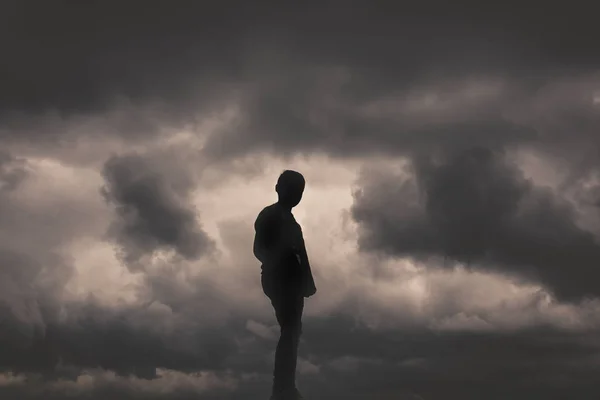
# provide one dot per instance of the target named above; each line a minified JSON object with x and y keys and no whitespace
{"x":291,"y":178}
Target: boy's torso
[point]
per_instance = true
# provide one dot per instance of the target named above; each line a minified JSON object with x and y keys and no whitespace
{"x":289,"y":236}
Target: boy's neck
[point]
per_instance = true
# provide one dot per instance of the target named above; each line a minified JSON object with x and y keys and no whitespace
{"x":284,"y":206}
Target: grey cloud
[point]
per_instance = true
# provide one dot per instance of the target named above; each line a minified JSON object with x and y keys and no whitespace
{"x":32,"y":275}
{"x":152,"y":213}
{"x":195,"y":56}
{"x":100,"y":384}
{"x":12,"y":171}
{"x":46,"y":336}
{"x":105,"y":50}
{"x":402,"y":363}
{"x":475,"y":207}
{"x":462,"y":365}
{"x":175,"y":331}
{"x":345,"y":91}
{"x":314,"y":108}
{"x":125,"y":341}
{"x":43,"y":333}
{"x":120,"y":49}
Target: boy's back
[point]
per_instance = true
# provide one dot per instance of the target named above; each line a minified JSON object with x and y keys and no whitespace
{"x":279,"y":245}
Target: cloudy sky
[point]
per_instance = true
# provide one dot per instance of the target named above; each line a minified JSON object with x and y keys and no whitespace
{"x":452,"y":209}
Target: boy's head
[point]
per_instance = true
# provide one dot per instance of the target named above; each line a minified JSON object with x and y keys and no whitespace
{"x":290,"y":187}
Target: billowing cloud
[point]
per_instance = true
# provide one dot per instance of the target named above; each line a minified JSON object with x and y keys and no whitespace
{"x":32,"y":271}
{"x":152,"y":213}
{"x":475,"y":207}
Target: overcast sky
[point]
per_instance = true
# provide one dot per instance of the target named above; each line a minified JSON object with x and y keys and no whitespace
{"x":452,"y":208}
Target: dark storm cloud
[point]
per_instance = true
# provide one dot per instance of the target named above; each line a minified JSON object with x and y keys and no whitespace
{"x":66,"y":64}
{"x":176,"y":330}
{"x":180,"y":328}
{"x":354,"y":361}
{"x":32,"y":275}
{"x":524,"y":365}
{"x":125,"y":342}
{"x":80,"y":59}
{"x":152,"y":211}
{"x":102,"y":386}
{"x":25,"y":308}
{"x":12,"y":171}
{"x":43,"y":333}
{"x":311,"y":94}
{"x":476,"y":207}
{"x":312,"y":108}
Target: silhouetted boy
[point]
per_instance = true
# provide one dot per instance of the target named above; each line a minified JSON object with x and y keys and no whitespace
{"x":286,"y":277}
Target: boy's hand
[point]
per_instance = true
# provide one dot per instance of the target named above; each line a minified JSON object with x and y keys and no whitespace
{"x":311,"y":291}
{"x":310,"y":288}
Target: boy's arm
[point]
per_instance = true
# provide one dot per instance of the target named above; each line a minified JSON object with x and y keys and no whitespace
{"x":266,"y":239}
{"x":309,"y":284}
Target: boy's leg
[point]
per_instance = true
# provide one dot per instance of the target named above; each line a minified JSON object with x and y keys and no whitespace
{"x":288,"y":310}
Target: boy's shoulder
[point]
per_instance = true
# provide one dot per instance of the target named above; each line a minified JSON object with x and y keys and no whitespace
{"x":268,"y":213}
{"x":272,"y":209}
